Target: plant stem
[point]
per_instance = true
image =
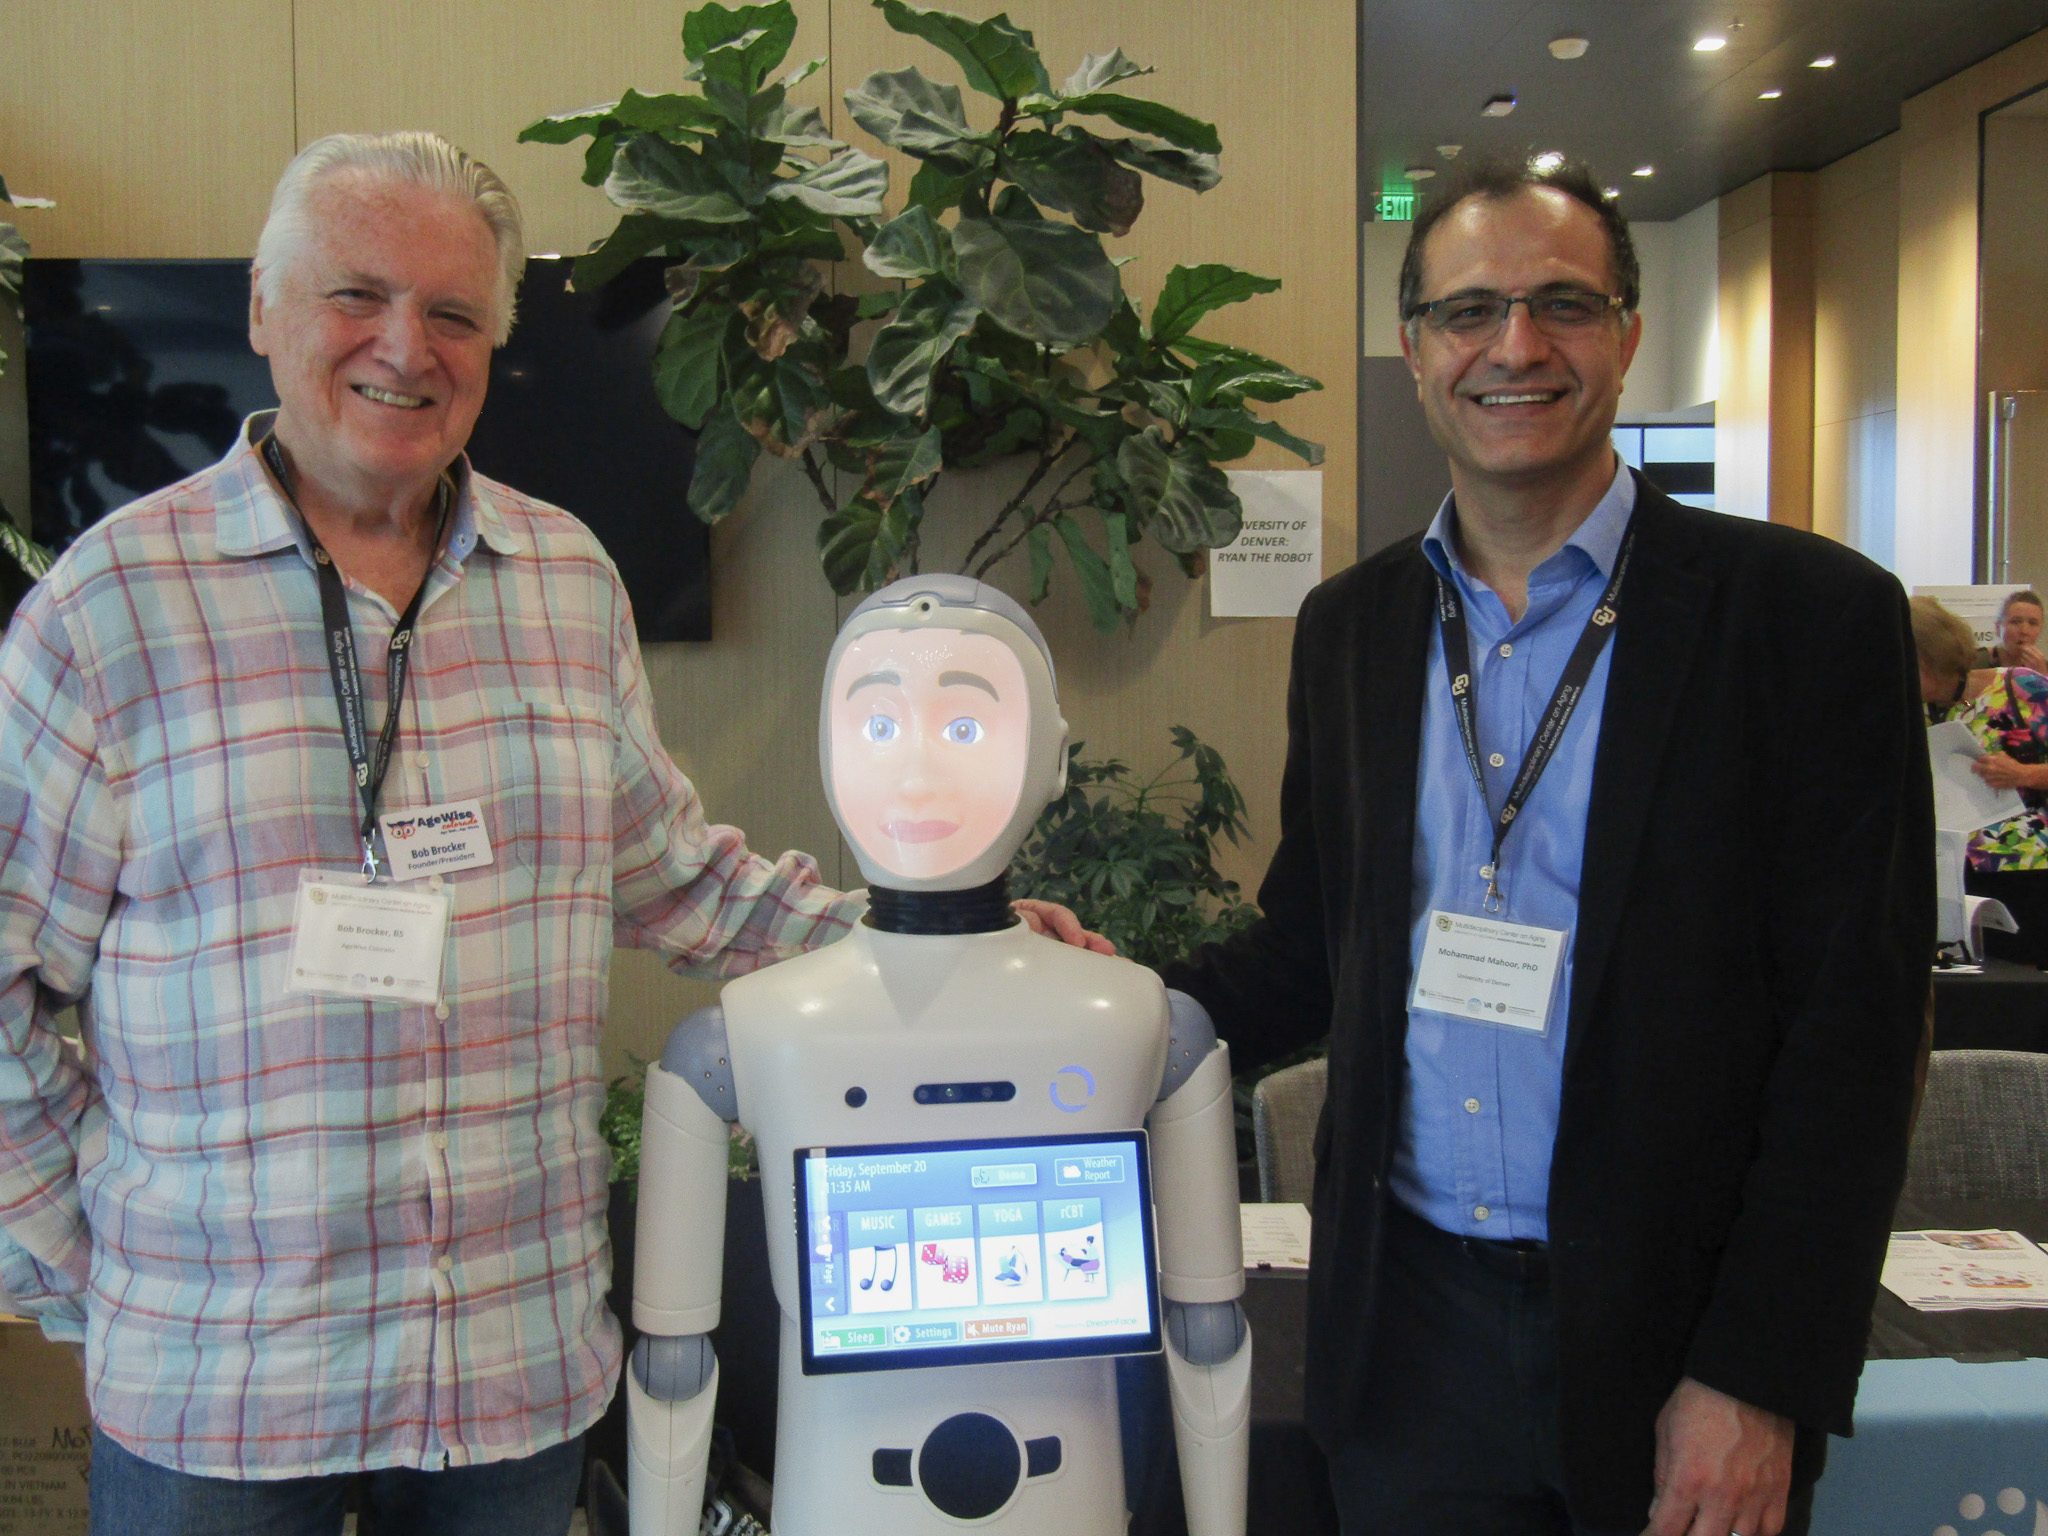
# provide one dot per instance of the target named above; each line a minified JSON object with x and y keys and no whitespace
{"x":817,"y":473}
{"x":1053,"y":508}
{"x":1046,"y":459}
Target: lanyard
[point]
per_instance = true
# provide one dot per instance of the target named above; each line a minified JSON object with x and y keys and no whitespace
{"x":1571,"y":687}
{"x":371,"y":764}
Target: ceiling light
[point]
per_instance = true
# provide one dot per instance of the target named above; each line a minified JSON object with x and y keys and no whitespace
{"x":1419,"y":172}
{"x":1568,"y":47}
{"x":1771,"y":95}
{"x":1498,"y":106}
{"x":1825,"y":61}
{"x":1546,"y":162}
{"x":1449,"y":151}
{"x":1610,"y":192}
{"x":1711,"y":43}
{"x":1644,"y":170}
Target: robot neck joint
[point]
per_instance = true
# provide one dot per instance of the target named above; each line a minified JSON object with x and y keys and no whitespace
{"x":984,"y":909}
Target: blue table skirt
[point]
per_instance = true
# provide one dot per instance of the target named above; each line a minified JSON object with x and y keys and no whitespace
{"x":1942,"y":1448}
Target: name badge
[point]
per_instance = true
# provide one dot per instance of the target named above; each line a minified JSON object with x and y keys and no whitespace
{"x":371,"y":941}
{"x":1487,"y":971}
{"x":436,"y":839}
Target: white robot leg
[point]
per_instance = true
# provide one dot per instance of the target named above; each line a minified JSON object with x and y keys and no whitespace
{"x":1201,"y":1273}
{"x":672,"y":1380}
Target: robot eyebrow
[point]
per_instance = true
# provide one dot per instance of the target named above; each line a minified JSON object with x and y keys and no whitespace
{"x":969,"y":680}
{"x":892,"y":679}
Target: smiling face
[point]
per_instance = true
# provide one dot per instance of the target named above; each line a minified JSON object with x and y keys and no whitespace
{"x":2019,"y":626}
{"x":379,"y":335}
{"x":931,"y":730}
{"x":1521,"y":407}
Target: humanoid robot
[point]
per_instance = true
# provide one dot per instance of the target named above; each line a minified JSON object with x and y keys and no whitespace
{"x":956,"y":1120}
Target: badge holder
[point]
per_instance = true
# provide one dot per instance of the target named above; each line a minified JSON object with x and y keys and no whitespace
{"x":379,"y":943}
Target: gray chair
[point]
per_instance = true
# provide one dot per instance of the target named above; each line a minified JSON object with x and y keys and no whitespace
{"x":1983,"y":1128}
{"x":1285,"y":1108}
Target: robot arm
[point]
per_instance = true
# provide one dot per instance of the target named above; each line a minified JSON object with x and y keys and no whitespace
{"x":672,"y":1381}
{"x":1201,"y":1272}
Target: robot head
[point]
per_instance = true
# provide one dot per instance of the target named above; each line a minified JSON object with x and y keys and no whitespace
{"x":939,"y":734}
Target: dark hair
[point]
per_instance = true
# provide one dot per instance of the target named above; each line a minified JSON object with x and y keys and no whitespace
{"x":1497,"y":177}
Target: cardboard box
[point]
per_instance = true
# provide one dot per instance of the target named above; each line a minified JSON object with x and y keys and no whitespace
{"x":45,"y":1435}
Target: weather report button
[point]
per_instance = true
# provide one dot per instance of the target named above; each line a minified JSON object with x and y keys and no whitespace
{"x":1088,"y":1170}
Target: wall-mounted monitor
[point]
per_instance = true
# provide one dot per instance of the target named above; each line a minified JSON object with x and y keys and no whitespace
{"x":139,"y":374}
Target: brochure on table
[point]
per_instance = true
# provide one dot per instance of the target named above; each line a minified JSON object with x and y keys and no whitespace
{"x":1275,"y":1235}
{"x":1951,"y":1271}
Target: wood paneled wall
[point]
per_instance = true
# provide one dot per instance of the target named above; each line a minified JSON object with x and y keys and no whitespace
{"x":160,"y":129}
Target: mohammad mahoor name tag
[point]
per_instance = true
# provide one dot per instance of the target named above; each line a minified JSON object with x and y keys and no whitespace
{"x":379,"y":942}
{"x":1487,"y":971}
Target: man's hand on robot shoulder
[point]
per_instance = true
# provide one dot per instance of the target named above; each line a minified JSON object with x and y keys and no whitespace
{"x":1056,"y":922}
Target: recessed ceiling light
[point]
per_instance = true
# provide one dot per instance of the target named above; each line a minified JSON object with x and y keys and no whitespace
{"x":1610,"y":192}
{"x":1825,"y":61}
{"x":1768,"y":95}
{"x":1548,"y":161}
{"x":1568,"y":47}
{"x":1711,"y":43}
{"x":1644,"y":170}
{"x":1449,"y":151}
{"x":1419,"y":172}
{"x":1497,"y":106}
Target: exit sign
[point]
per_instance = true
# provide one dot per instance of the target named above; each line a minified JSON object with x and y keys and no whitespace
{"x":1397,"y":207}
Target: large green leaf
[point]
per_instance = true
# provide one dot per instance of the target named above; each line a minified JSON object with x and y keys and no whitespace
{"x":918,"y":116}
{"x":665,"y":114}
{"x":1192,"y":292}
{"x":652,"y":176}
{"x":1098,"y":588}
{"x":862,"y":545}
{"x":686,"y":363}
{"x":798,"y":127}
{"x":1050,"y":282}
{"x":910,"y":347}
{"x":1185,"y":502}
{"x":1221,"y":367}
{"x":567,"y":127}
{"x":1039,"y":542}
{"x":738,"y":47}
{"x":852,"y":182}
{"x":1123,"y":575}
{"x":1141,"y":116}
{"x":1099,"y":71}
{"x":901,"y":463}
{"x":999,"y":59}
{"x":13,"y":252}
{"x":1273,"y":432}
{"x":1075,"y":176}
{"x":637,"y":235}
{"x":1183,"y":167}
{"x":909,"y":246}
{"x":726,"y":451}
{"x":34,"y":560}
{"x":935,"y":190}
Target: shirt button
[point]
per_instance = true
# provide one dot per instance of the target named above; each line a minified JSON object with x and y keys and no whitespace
{"x":1471,"y":1106}
{"x":1506,"y":649}
{"x":444,"y":1263}
{"x":1497,"y":760}
{"x":440,"y":1010}
{"x":435,"y":882}
{"x":441,"y":1138}
{"x":419,"y":762}
{"x":1479,"y":1213}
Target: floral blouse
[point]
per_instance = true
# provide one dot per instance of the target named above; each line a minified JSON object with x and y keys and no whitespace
{"x":2011,"y":716}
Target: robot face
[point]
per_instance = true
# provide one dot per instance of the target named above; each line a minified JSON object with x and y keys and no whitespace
{"x":930,"y":738}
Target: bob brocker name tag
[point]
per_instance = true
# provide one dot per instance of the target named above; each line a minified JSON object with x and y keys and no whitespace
{"x":436,"y":839}
{"x":373,"y":941}
{"x":1488,"y":971}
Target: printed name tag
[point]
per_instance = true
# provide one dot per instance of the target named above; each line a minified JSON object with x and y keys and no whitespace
{"x":436,"y":839}
{"x":1491,"y":972}
{"x":375,"y":941}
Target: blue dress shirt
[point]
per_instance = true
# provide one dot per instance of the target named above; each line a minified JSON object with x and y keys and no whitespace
{"x":1479,"y":1113}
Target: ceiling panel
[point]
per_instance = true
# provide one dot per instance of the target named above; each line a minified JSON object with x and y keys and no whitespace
{"x":1642,"y":96}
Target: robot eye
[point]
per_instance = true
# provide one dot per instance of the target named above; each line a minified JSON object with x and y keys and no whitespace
{"x":965,"y":731}
{"x":880,"y":728}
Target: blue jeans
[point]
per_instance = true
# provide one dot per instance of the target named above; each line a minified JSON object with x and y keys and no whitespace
{"x":532,"y":1496}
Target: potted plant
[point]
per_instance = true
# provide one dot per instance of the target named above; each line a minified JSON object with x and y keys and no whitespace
{"x":1003,"y":334}
{"x":28,"y":558}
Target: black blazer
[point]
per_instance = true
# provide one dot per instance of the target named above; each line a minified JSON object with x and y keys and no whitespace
{"x":1756,"y":921}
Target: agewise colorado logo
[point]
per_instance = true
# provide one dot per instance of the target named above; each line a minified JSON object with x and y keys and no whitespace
{"x":439,"y":821}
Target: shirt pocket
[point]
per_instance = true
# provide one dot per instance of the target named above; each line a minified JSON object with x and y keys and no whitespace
{"x":552,"y":772}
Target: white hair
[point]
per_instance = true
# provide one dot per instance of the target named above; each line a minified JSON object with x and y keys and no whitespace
{"x":411,"y":156}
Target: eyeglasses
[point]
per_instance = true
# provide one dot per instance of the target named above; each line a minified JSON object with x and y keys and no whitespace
{"x":1480,"y":315}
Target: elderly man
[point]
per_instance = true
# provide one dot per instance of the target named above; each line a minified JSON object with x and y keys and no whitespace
{"x":330,"y":1197}
{"x":1624,"y":985}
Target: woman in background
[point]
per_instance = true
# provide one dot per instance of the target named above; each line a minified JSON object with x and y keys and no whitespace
{"x":2019,"y":635}
{"x":2006,"y":709}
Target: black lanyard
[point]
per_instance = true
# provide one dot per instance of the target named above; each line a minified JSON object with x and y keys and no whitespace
{"x":371,"y":764}
{"x":1571,"y":687}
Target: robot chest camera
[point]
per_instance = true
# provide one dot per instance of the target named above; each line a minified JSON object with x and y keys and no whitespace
{"x":964,"y":1093}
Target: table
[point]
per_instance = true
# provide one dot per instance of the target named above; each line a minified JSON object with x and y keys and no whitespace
{"x":2003,"y":1008}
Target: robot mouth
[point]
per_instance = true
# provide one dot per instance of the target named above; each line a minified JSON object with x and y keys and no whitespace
{"x":907,"y":831}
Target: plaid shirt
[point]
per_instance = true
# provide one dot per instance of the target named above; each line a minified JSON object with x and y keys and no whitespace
{"x":309,"y":1235}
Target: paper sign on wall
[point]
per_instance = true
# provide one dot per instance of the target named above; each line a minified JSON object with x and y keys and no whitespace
{"x":1278,"y":557}
{"x":1975,"y":606}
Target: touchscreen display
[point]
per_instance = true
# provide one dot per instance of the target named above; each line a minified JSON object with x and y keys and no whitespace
{"x":943,"y":1253}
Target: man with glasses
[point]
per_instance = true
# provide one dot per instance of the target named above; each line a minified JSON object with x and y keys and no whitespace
{"x":1624,"y":985}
